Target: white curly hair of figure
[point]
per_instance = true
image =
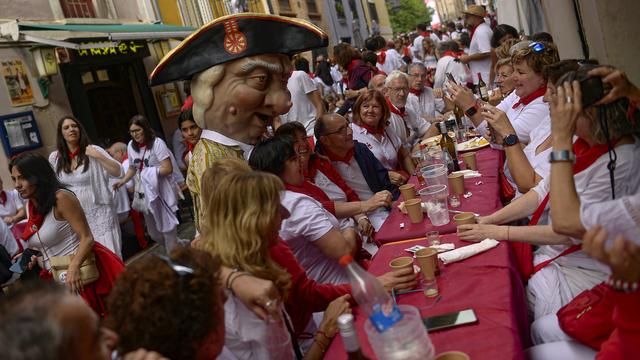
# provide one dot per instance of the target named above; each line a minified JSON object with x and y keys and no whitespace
{"x":202,"y":86}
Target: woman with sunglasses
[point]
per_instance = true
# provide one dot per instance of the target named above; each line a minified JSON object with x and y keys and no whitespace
{"x":57,"y":226}
{"x":86,"y":169}
{"x":153,"y":165}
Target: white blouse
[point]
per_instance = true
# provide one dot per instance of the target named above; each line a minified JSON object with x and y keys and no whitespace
{"x":619,"y":217}
{"x":385,"y":150}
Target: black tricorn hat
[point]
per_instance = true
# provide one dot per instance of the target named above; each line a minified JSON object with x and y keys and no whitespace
{"x":233,"y":37}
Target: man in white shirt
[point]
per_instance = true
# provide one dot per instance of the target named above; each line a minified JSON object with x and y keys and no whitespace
{"x":421,"y":29}
{"x":306,"y":100}
{"x":421,"y":98}
{"x":448,"y":53}
{"x":479,"y":58}
{"x":404,"y":121}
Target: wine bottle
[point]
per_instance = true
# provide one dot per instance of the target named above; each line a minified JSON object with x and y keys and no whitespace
{"x":447,"y":143}
{"x":482,"y":89}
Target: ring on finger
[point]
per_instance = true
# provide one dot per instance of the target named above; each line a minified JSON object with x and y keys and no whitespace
{"x":269,"y":303}
{"x":569,"y":99}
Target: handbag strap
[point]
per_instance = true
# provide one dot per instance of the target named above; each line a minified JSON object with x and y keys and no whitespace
{"x":567,"y":251}
{"x":539,"y":211}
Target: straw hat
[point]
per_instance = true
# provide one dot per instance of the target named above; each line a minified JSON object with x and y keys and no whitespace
{"x":475,"y":10}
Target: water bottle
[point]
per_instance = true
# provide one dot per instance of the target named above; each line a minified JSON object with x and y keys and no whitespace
{"x":350,"y":337}
{"x":371,"y":296}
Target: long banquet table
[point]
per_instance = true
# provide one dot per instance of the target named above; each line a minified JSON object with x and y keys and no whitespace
{"x":488,"y":283}
{"x":485,"y":199}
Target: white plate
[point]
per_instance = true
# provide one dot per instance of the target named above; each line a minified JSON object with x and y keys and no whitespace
{"x":472,"y":144}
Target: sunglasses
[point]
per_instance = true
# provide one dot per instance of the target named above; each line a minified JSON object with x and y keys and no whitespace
{"x":181,"y":270}
{"x":537,"y":47}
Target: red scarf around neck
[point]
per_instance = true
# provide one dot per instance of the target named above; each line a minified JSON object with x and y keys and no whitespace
{"x":34,"y":222}
{"x":318,"y":164}
{"x":73,"y":154}
{"x":425,"y":34}
{"x":473,"y":30}
{"x":371,"y":130}
{"x":394,"y":109}
{"x":452,"y":54}
{"x":3,"y":197}
{"x":352,"y":64}
{"x":312,"y":190}
{"x":335,"y":157}
{"x":415,"y":92}
{"x":529,"y":98}
{"x":382,"y":57}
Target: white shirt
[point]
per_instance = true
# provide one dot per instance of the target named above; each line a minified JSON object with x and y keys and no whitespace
{"x":594,"y":187}
{"x":525,"y":118}
{"x":417,"y":126}
{"x":481,"y":43}
{"x":7,"y":240}
{"x":430,"y":61}
{"x":417,"y":47}
{"x":619,"y":217}
{"x":12,"y":205}
{"x":335,"y":193}
{"x":308,"y":222}
{"x":303,"y":111}
{"x":392,"y":61}
{"x":385,"y":150}
{"x":227,"y":141}
{"x":458,"y":70}
{"x":426,"y":104}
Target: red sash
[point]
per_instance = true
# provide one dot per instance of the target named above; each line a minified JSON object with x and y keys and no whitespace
{"x":324,"y":166}
{"x":394,"y":109}
{"x":315,"y":192}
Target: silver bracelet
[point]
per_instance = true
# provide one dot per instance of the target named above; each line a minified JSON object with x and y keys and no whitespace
{"x":562,"y":156}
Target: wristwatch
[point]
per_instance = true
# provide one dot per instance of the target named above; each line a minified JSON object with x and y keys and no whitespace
{"x":562,"y":156}
{"x":510,"y":140}
{"x":472,"y":110}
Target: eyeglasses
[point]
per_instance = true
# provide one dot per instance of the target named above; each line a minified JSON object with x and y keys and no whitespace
{"x":537,"y":47}
{"x":181,"y":270}
{"x":419,"y":75}
{"x":342,"y":130}
{"x":399,"y":89}
{"x":134,"y":131}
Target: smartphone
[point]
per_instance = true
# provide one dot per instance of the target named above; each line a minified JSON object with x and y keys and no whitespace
{"x":22,"y":262}
{"x":449,"y":320}
{"x":450,"y":77}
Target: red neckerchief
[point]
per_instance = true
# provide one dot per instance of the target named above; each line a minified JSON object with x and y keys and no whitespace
{"x":3,"y":197}
{"x":311,"y":75}
{"x":73,"y":154}
{"x":141,"y":146}
{"x":474,"y":29}
{"x":371,"y":130}
{"x":415,"y":92}
{"x":382,"y":57}
{"x":394,"y":109}
{"x":319,"y":164}
{"x":452,"y":54}
{"x":35,"y":220}
{"x":190,"y":147}
{"x":425,"y":34}
{"x":585,"y":156}
{"x":309,"y":189}
{"x":529,"y":98}
{"x":352,"y":64}
{"x":405,"y":51}
{"x":125,"y":156}
{"x":335,"y":157}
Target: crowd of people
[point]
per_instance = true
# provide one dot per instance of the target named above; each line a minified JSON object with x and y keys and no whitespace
{"x":290,"y":170}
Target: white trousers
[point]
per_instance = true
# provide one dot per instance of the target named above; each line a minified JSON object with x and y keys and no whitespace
{"x":565,"y":350}
{"x":168,"y":239}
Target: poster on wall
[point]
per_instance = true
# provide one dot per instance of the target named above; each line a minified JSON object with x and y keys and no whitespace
{"x":19,"y":133}
{"x":17,"y":80}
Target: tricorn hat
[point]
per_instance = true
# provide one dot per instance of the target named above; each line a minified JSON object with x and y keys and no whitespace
{"x":233,"y":37}
{"x":475,"y":10}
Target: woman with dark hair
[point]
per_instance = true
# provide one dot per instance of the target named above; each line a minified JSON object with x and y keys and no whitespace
{"x":57,"y":226}
{"x":86,"y":169}
{"x":358,"y":72}
{"x":190,"y":133}
{"x":171,"y":305}
{"x":155,"y":194}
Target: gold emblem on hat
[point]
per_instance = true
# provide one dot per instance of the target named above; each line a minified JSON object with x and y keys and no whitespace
{"x":234,"y":40}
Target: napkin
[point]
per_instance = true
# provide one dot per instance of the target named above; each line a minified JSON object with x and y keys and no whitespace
{"x":468,"y":174}
{"x":443,"y":247}
{"x":467,"y":251}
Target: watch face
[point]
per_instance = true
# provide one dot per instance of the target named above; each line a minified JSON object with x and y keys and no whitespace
{"x":511,"y":140}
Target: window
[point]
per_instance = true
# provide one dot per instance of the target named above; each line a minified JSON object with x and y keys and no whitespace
{"x":312,"y":7}
{"x":78,"y":8}
{"x":285,"y":6}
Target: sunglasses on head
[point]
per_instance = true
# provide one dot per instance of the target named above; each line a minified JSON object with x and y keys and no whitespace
{"x":537,"y":47}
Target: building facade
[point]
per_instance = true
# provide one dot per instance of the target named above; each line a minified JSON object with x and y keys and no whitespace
{"x":86,"y":58}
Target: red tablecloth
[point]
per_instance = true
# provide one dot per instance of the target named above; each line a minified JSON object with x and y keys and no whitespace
{"x":484,"y":201}
{"x":488,"y":283}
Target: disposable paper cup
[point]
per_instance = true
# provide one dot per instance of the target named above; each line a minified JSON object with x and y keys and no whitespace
{"x":427,"y":259}
{"x":452,"y":355}
{"x":414,"y":209}
{"x":401,"y":262}
{"x":408,"y":191}
{"x":465,"y":218}
{"x":469,"y":160}
{"x":456,"y":183}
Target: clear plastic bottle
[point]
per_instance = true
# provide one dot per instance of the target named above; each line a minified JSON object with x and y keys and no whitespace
{"x":350,"y":337}
{"x":371,"y":296}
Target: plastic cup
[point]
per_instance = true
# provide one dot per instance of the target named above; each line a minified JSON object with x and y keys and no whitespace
{"x":414,"y":209}
{"x":435,"y":198}
{"x":405,"y":340}
{"x":464,"y":218}
{"x":427,"y":259}
{"x":435,"y":174}
{"x":430,"y":287}
{"x":401,"y":262}
{"x":469,"y":160}
{"x":452,"y":355}
{"x":408,"y":191}
{"x":433,"y":238}
{"x":456,"y":183}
